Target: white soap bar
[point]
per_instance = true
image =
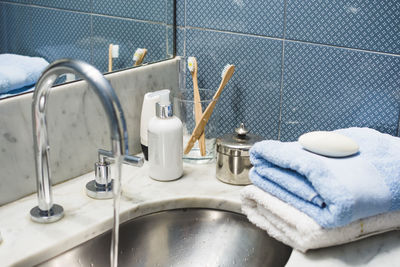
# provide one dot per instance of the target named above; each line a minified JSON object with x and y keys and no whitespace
{"x":329,"y":144}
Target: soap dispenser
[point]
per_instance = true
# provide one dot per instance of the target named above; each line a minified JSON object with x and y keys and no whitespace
{"x":165,"y":142}
{"x":148,"y":112}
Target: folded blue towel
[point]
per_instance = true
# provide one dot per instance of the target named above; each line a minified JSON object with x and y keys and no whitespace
{"x":332,"y":191}
{"x":18,"y":71}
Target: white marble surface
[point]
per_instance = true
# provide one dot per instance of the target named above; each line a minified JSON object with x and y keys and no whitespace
{"x":77,"y":126}
{"x":26,"y":243}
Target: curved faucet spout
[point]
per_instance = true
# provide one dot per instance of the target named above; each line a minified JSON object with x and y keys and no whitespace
{"x":46,"y":211}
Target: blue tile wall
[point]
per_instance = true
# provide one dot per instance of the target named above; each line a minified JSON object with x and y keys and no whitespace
{"x":330,"y":88}
{"x":365,"y":24}
{"x":252,"y":84}
{"x":255,"y":17}
{"x":302,"y":65}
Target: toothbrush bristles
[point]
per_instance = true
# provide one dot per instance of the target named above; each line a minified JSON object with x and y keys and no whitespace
{"x":227,"y":66}
{"x":191,"y":63}
{"x":138,"y":54}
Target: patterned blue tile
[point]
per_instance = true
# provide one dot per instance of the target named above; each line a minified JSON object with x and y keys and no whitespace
{"x":60,"y":34}
{"x":170,"y":41}
{"x":180,"y":41}
{"x":108,"y":30}
{"x":180,"y":12}
{"x":366,"y":24}
{"x":327,"y":88}
{"x":255,"y":17}
{"x":253,"y":94}
{"x":81,"y":5}
{"x":150,"y":10}
{"x":169,"y":12}
{"x":15,"y":29}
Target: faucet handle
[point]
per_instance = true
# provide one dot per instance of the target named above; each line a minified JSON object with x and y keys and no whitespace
{"x":105,"y":155}
{"x":101,"y":187}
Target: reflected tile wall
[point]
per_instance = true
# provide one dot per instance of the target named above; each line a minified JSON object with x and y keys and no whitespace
{"x":81,"y":5}
{"x":337,"y":63}
{"x":52,"y":40}
{"x":153,"y":10}
{"x":84,"y":29}
{"x":108,"y":30}
{"x":15,"y":20}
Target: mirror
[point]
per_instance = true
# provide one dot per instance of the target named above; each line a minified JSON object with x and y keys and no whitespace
{"x":109,"y":34}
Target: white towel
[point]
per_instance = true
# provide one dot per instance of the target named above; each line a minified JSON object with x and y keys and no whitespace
{"x":296,"y":229}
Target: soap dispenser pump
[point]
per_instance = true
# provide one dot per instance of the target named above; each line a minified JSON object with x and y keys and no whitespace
{"x":165,"y":141}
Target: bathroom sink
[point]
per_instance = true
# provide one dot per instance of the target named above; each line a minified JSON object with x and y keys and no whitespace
{"x":184,"y":237}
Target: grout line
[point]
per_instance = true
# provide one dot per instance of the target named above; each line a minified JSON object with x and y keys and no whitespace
{"x":91,"y":35}
{"x":398,"y":125}
{"x":236,"y":33}
{"x":184,"y":15}
{"x":343,"y":47}
{"x":184,"y":34}
{"x":282,"y":73}
{"x":292,"y":40}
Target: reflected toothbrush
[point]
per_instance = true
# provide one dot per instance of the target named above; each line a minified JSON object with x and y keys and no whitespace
{"x":139,"y":55}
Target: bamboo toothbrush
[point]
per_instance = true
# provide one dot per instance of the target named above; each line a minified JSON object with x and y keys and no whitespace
{"x":139,"y":55}
{"x":113,"y":52}
{"x":193,"y":68}
{"x":110,"y":60}
{"x":199,"y":129}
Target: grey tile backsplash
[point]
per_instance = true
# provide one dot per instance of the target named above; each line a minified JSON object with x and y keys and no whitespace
{"x":302,"y":65}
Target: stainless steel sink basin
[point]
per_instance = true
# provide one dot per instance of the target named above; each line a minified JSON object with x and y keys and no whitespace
{"x":184,"y":237}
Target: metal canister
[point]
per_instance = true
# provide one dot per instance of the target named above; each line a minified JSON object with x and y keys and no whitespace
{"x":233,"y":161}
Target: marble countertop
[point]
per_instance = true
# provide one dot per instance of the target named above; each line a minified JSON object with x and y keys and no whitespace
{"x":26,"y":243}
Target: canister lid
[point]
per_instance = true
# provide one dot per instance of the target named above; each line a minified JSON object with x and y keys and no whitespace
{"x":238,"y":143}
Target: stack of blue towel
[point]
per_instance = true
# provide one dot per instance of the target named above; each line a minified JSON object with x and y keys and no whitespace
{"x":332,"y":191}
{"x":19,"y":72}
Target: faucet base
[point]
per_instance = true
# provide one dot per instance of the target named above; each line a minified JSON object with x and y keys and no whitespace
{"x":96,"y":191}
{"x":52,"y":215}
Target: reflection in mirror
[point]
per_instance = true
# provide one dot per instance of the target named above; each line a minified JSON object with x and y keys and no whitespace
{"x":109,"y":34}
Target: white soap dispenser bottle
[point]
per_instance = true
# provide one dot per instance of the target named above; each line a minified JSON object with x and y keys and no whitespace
{"x":165,"y":142}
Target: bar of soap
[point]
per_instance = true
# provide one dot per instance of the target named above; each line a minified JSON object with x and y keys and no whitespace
{"x":328,"y":144}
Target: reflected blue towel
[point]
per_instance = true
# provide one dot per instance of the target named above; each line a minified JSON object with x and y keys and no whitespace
{"x":18,"y":71}
{"x":332,"y":191}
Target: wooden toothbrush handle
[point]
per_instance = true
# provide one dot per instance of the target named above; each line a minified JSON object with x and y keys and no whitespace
{"x":198,"y":112}
{"x":199,"y":129}
{"x":110,"y":60}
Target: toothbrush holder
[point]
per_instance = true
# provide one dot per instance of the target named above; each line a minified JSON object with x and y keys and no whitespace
{"x":184,"y":109}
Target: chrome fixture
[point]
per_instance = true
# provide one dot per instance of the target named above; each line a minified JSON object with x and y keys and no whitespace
{"x":233,"y":158}
{"x":47,"y":211}
{"x":101,"y":187}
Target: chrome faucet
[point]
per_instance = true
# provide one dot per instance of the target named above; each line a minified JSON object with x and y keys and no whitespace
{"x":47,"y":211}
